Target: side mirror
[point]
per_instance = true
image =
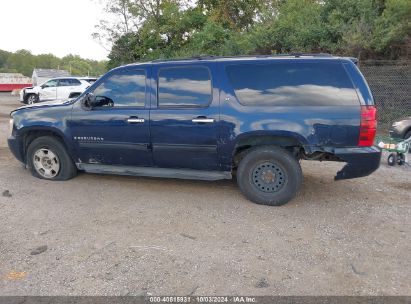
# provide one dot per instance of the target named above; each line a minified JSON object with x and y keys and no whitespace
{"x":88,"y":101}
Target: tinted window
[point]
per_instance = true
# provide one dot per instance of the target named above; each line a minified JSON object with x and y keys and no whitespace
{"x":90,"y":80}
{"x":74,"y":82}
{"x":64,"y":83}
{"x":123,"y":89}
{"x":292,"y":84}
{"x":184,"y":86}
{"x":50,"y":84}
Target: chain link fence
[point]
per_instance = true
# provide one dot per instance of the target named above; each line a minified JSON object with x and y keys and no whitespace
{"x":390,"y":83}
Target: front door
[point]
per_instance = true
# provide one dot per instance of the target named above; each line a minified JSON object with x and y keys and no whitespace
{"x":116,"y":132}
{"x":48,"y":90}
{"x":184,"y":117}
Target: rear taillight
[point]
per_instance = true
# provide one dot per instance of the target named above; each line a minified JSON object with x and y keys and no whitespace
{"x":368,"y":126}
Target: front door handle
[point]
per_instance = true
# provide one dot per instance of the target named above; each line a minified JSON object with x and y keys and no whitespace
{"x":134,"y":120}
{"x":202,"y":120}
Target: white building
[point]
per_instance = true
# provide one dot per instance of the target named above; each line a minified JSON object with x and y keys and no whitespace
{"x":42,"y":75}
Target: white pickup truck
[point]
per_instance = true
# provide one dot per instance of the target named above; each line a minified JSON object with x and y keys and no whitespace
{"x":56,"y":89}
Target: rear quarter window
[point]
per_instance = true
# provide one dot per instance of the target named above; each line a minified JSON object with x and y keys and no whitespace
{"x":292,"y":84}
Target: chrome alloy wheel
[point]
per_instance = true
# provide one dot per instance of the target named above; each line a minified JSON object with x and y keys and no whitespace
{"x":32,"y":99}
{"x":46,"y":163}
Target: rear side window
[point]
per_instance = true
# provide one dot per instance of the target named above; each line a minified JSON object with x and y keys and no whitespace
{"x":64,"y":83}
{"x":292,"y":84}
{"x":75,"y":82}
{"x":184,"y":87}
{"x":124,"y":88}
{"x":69,"y":82}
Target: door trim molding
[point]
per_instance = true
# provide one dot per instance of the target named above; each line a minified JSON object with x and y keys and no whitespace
{"x":113,"y":145}
{"x":185,"y":147}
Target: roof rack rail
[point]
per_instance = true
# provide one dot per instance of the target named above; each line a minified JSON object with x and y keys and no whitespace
{"x":211,"y":57}
{"x":311,"y":54}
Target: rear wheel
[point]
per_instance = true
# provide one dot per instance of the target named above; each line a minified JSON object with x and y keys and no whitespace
{"x":269,"y":175}
{"x":47,"y":158}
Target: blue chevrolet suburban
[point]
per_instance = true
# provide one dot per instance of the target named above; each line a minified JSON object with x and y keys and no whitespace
{"x":208,"y":118}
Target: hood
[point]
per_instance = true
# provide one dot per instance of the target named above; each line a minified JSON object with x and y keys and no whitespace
{"x":46,"y":104}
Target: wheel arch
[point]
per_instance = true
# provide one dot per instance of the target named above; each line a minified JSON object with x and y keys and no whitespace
{"x":31,"y":133}
{"x":293,"y":142}
{"x":74,"y":94}
{"x":27,"y":94}
{"x":407,"y":130}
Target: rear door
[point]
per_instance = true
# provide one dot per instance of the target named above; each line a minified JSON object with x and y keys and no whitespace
{"x":67,"y":86}
{"x":63,"y":88}
{"x":184,"y":118}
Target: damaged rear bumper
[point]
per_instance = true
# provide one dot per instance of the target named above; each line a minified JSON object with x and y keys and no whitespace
{"x":360,"y":161}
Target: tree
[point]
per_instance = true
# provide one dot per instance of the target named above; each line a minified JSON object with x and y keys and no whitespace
{"x":392,"y":33}
{"x":233,"y":14}
{"x":170,"y":28}
{"x":24,"y":62}
{"x":108,"y":32}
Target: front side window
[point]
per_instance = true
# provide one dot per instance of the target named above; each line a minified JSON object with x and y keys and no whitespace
{"x":126,"y":88}
{"x":184,"y":87}
{"x":50,"y":84}
{"x":292,"y":84}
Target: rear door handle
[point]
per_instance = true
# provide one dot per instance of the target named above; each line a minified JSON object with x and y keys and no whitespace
{"x":134,"y":120}
{"x":202,"y":120}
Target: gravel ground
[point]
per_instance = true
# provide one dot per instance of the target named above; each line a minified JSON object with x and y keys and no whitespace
{"x":111,"y":235}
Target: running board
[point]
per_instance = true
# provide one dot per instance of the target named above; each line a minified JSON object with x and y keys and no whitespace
{"x":155,"y":172}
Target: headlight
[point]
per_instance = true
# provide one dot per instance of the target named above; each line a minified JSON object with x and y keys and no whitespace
{"x":11,"y":124}
{"x":396,"y":124}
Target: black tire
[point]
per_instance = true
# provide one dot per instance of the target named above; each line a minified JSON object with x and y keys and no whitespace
{"x":392,"y":159}
{"x":67,"y":168}
{"x":32,"y":99}
{"x":281,"y":166}
{"x":400,"y":159}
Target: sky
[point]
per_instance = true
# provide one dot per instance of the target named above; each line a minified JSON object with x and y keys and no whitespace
{"x":59,"y":27}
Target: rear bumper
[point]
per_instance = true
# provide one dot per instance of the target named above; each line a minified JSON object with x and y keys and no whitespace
{"x":361,"y":161}
{"x":16,"y":148}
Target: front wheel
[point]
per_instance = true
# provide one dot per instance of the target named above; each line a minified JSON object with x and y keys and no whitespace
{"x":32,"y":99}
{"x":47,"y":158}
{"x":269,"y":175}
